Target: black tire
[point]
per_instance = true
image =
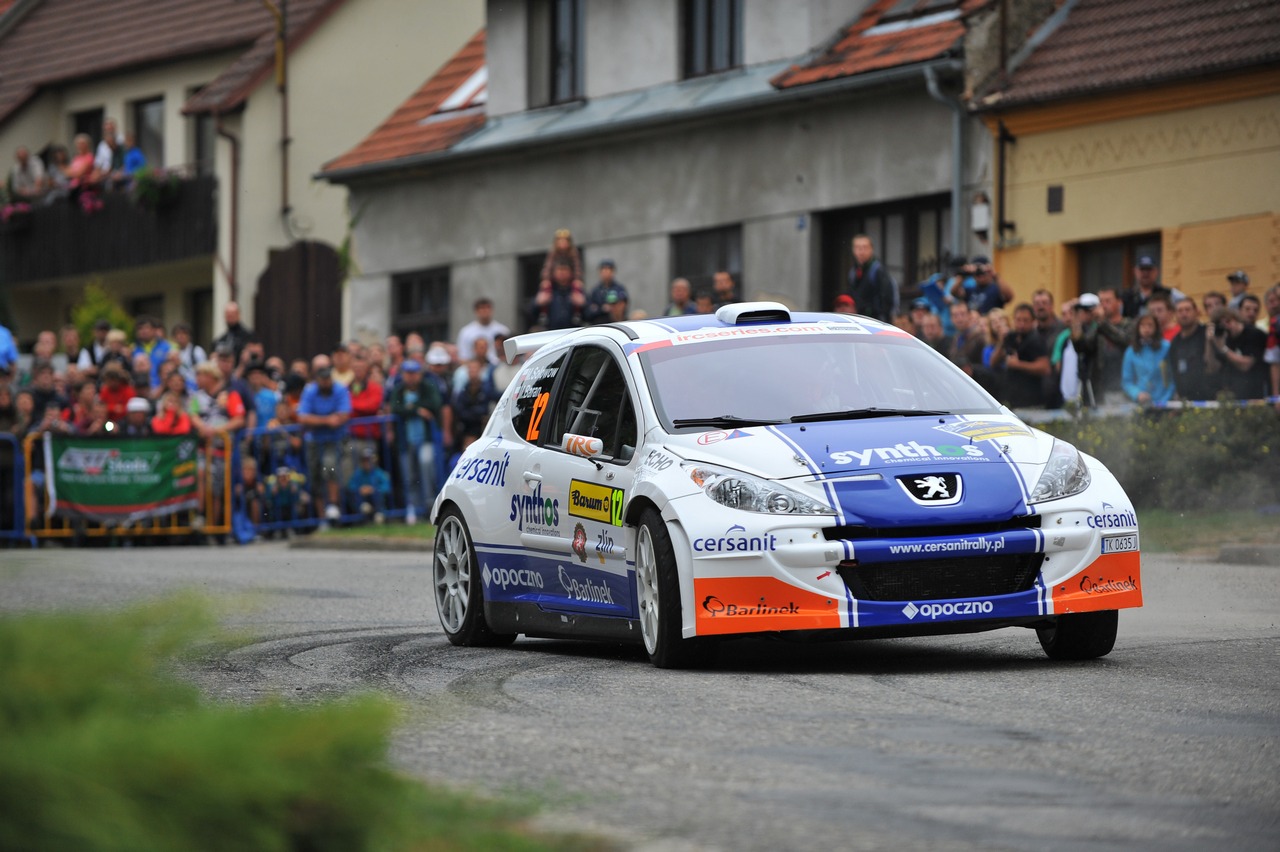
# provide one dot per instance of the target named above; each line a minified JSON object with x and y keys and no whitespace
{"x":1080,"y":636}
{"x":658,"y":597}
{"x":459,"y":592}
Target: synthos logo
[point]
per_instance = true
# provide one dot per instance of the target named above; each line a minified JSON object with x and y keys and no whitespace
{"x":585,"y":589}
{"x":933,"y":610}
{"x":735,"y":540}
{"x":580,"y":541}
{"x":717,"y":607}
{"x":503,"y":578}
{"x":1110,"y":520}
{"x":908,"y":452}
{"x":533,"y":511}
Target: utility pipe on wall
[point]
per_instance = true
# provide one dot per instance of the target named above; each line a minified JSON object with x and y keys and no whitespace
{"x":958,"y":116}
{"x":234,"y":225}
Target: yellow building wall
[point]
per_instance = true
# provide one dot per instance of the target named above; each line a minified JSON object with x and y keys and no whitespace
{"x":1206,"y":176}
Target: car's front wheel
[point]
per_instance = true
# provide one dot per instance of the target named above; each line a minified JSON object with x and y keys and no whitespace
{"x":658,"y":596}
{"x":1080,"y":636}
{"x":459,"y":596}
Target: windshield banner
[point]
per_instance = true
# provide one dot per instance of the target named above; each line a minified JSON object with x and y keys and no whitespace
{"x":119,"y":480}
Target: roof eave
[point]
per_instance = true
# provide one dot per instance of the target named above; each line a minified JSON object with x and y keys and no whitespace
{"x":808,"y":91}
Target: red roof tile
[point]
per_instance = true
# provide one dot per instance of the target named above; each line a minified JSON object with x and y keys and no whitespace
{"x":63,"y":41}
{"x":868,"y":44}
{"x":1108,"y":45}
{"x":429,"y":120}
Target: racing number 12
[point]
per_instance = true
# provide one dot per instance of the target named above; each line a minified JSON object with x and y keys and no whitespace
{"x":615,"y":507}
{"x":539,"y":409}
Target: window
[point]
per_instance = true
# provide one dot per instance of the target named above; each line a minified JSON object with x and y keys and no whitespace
{"x":90,"y":122}
{"x":148,"y":126}
{"x":711,"y":35}
{"x":699,"y":255}
{"x":146,"y":306}
{"x":555,"y":52}
{"x":420,"y":302}
{"x":594,"y":402}
{"x":1109,"y":263}
{"x":204,"y":138}
{"x":532,"y":396}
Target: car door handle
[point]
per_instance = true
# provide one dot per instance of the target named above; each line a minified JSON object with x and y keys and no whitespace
{"x":530,"y":476}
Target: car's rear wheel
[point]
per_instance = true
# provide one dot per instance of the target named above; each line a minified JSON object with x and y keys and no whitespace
{"x":658,"y":596}
{"x":1080,"y":636}
{"x":459,"y":596}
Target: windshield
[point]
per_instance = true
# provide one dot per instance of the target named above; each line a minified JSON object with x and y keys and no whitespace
{"x":771,"y":380}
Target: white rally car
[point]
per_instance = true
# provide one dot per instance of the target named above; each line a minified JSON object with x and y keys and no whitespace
{"x":682,"y":480}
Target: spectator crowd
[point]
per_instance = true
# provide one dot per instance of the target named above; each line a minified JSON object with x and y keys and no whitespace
{"x":80,"y":173}
{"x":352,"y":432}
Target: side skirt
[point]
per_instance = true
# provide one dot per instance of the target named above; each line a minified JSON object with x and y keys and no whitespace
{"x":535,"y":622}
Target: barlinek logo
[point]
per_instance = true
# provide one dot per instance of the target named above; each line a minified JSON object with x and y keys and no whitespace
{"x":716,"y":607}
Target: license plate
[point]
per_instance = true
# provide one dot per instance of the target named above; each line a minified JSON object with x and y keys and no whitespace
{"x":1119,"y":543}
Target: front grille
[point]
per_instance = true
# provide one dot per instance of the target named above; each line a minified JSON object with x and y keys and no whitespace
{"x":942,"y":579}
{"x":857,"y":532}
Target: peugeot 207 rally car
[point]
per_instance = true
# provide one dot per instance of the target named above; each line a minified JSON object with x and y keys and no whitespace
{"x":678,"y":481}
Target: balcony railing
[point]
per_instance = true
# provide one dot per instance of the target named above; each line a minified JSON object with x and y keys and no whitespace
{"x":64,"y":237}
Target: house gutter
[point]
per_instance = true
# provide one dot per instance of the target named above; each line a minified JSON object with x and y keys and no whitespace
{"x":958,"y":116}
{"x":234,"y":225}
{"x":769,"y":98}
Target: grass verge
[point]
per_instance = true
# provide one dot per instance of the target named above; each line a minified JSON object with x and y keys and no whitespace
{"x":103,"y":748}
{"x":392,"y":529}
{"x":1177,"y":531}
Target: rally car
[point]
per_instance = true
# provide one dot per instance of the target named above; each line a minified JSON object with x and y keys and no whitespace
{"x":682,"y":480}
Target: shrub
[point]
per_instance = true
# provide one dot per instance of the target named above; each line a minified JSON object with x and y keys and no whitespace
{"x":1227,"y":458}
{"x":97,"y":302}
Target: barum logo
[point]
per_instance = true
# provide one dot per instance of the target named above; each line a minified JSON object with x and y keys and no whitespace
{"x":533,"y":510}
{"x":931,"y":611}
{"x":1106,"y":520}
{"x":909,"y":451}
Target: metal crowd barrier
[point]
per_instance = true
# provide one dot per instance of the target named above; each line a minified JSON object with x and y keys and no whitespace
{"x":204,"y":519}
{"x":13,"y":528}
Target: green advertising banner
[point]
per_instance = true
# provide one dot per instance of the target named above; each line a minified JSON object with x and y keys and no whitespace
{"x":120,"y":480}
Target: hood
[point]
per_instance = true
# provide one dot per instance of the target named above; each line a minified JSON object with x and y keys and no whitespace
{"x":856,"y":465}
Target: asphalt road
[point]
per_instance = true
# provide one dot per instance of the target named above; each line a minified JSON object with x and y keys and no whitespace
{"x":979,"y":742}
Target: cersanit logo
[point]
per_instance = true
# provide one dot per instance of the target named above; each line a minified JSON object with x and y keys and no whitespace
{"x":585,"y":589}
{"x":909,"y":451}
{"x":932,"y":610}
{"x":1110,"y":520}
{"x":503,"y":578}
{"x":735,"y":540}
{"x":484,"y":471}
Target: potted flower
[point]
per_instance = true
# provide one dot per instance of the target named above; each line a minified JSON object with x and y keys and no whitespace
{"x":16,"y":216}
{"x":155,"y":189}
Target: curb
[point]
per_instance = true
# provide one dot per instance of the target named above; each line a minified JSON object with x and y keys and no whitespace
{"x":365,"y":543}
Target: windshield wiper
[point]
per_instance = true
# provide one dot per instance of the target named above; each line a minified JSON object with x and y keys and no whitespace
{"x":864,"y":414}
{"x":723,"y":420}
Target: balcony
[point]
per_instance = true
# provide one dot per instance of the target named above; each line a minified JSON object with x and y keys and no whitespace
{"x":60,"y":239}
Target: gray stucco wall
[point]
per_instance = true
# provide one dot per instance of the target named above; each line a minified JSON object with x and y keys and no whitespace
{"x":624,"y":197}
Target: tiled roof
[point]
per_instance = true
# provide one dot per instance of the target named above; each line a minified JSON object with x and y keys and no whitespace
{"x":63,"y":41}
{"x":1108,"y":45}
{"x":888,"y":34}
{"x":446,"y":109}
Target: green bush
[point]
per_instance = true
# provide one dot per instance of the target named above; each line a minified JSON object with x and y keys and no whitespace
{"x":97,"y":302}
{"x":1225,"y":458}
{"x":103,"y":747}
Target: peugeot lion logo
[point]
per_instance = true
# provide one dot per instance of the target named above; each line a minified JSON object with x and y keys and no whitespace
{"x":933,"y":489}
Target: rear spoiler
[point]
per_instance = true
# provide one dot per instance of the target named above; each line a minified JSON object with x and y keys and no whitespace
{"x":525,"y":343}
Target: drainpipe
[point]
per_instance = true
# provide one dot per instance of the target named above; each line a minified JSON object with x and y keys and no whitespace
{"x":281,"y":14}
{"x":234,"y":225}
{"x":958,"y":116}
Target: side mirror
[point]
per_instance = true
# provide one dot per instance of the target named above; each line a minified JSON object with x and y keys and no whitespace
{"x":582,"y":445}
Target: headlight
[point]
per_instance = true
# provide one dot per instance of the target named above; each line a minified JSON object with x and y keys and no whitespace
{"x":1064,"y":475}
{"x":751,"y":493}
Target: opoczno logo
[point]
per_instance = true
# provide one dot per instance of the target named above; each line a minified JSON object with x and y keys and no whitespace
{"x":933,"y":489}
{"x":933,"y":610}
{"x":505,"y":577}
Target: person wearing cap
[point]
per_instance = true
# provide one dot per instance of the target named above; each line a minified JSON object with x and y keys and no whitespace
{"x":323,"y":411}
{"x":369,"y":488}
{"x":137,"y":418}
{"x":981,"y":287}
{"x":1146,"y":283}
{"x":1239,"y":282}
{"x":90,"y":359}
{"x":419,"y":410}
{"x":483,"y":326}
{"x":599,"y":301}
{"x":263,"y":395}
{"x":920,"y":308}
{"x":844,"y":304}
